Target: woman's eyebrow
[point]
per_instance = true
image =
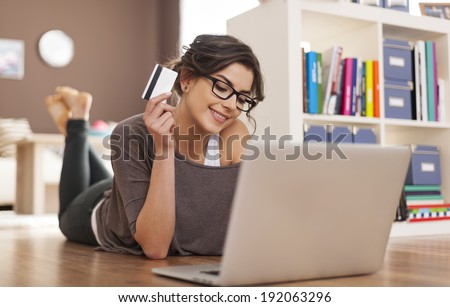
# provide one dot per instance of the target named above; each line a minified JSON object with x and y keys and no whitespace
{"x":231,"y":84}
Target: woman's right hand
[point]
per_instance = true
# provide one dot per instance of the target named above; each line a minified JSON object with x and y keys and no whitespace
{"x":159,"y":120}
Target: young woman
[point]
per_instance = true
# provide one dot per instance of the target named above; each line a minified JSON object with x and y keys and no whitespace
{"x":175,"y":167}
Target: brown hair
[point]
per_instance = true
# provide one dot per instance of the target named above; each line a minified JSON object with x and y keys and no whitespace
{"x":208,"y":54}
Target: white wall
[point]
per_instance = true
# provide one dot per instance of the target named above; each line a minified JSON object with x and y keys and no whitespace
{"x":209,"y":16}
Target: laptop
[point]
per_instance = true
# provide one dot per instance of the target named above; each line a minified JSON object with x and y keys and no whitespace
{"x":307,"y":211}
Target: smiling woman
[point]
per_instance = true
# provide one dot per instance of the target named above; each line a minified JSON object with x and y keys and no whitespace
{"x":172,"y":189}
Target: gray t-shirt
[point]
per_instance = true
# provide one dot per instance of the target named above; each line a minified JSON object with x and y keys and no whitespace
{"x":203,"y":196}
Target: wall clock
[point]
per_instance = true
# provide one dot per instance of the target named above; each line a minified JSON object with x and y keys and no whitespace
{"x":56,"y":48}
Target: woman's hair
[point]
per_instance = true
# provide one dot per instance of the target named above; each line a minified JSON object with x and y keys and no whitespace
{"x":211,"y":53}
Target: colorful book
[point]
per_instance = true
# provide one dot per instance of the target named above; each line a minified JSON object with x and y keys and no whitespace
{"x":430,"y":80}
{"x":415,"y":188}
{"x":319,"y":83}
{"x":363,"y":89}
{"x":441,"y":95}
{"x":305,"y":90}
{"x":354,"y":82}
{"x":442,"y":207}
{"x":423,"y":80}
{"x":369,"y":88}
{"x":423,"y":197}
{"x":347,"y":87}
{"x":376,"y":90}
{"x":331,"y":59}
{"x":336,"y":99}
{"x":417,"y":95}
{"x":429,"y":213}
{"x":435,"y":80}
{"x":311,"y":81}
{"x":358,"y":86}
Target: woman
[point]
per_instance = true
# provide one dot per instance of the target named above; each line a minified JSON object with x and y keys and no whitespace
{"x":175,"y":167}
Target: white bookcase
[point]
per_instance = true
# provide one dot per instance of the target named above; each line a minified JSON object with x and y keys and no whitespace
{"x":276,"y":29}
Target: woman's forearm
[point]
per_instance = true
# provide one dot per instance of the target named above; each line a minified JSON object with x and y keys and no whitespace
{"x":155,"y":224}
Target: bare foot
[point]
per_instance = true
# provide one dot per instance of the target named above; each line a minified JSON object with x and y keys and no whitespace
{"x":58,"y":111}
{"x":79,"y":103}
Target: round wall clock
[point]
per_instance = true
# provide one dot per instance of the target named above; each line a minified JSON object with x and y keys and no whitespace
{"x":56,"y":48}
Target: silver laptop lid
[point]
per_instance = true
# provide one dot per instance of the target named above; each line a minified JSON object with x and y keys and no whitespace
{"x":312,"y":211}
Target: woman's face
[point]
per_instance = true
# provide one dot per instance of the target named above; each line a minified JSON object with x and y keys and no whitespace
{"x":209,"y":113}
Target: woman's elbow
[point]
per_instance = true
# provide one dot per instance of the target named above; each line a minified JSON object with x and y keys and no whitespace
{"x":155,"y":254}
{"x":152,"y":250}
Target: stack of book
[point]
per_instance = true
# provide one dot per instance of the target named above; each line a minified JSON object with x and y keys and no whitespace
{"x":425,"y":203}
{"x":336,"y":85}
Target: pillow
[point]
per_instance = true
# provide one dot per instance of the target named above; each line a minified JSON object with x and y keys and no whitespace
{"x":12,"y":130}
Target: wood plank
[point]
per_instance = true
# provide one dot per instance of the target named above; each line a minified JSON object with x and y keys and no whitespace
{"x":41,"y":256}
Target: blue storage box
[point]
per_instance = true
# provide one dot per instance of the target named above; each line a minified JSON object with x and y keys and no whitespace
{"x":314,"y":133}
{"x":425,"y":166}
{"x":399,"y":5}
{"x":397,"y":56}
{"x":364,"y":136}
{"x":341,"y":134}
{"x":398,"y":99}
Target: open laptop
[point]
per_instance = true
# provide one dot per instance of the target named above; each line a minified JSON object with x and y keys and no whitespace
{"x":307,"y":216}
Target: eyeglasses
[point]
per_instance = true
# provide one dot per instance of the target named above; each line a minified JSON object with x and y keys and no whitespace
{"x":225,"y":91}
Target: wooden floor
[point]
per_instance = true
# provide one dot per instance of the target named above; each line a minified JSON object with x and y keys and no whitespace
{"x":40,"y":256}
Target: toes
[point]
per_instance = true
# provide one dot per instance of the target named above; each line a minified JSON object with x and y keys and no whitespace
{"x":67,"y":90}
{"x":68,"y":94}
{"x":85,"y":97}
{"x":50,"y":100}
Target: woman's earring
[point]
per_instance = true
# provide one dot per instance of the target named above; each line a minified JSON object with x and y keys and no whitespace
{"x":186,"y":89}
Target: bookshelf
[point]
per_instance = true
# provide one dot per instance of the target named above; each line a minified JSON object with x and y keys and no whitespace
{"x":276,"y":29}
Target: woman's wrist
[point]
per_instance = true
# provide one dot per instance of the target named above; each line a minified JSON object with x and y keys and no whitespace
{"x":164,"y":151}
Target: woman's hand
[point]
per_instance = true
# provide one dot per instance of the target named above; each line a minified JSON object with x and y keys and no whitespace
{"x":159,"y":120}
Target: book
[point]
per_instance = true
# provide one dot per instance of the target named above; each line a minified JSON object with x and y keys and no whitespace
{"x":311,"y":81}
{"x":424,"y":197}
{"x":319,"y":83}
{"x":363,"y":89}
{"x":369,"y":88}
{"x":358,"y":86}
{"x":412,"y":193}
{"x":347,"y":87}
{"x":376,"y":89}
{"x":354,"y":82}
{"x":331,"y":59}
{"x":412,"y":188}
{"x":336,"y":98}
{"x":416,"y":91}
{"x":442,"y":206}
{"x":430,"y":80}
{"x":435,"y":80}
{"x":428,"y":213}
{"x":423,"y":80}
{"x":441,"y":97}
{"x":430,"y":202}
{"x":305,"y":90}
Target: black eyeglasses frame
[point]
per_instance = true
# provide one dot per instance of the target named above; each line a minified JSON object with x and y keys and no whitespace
{"x":248,"y":100}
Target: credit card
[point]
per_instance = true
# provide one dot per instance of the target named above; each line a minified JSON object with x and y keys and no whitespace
{"x":161,"y":81}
